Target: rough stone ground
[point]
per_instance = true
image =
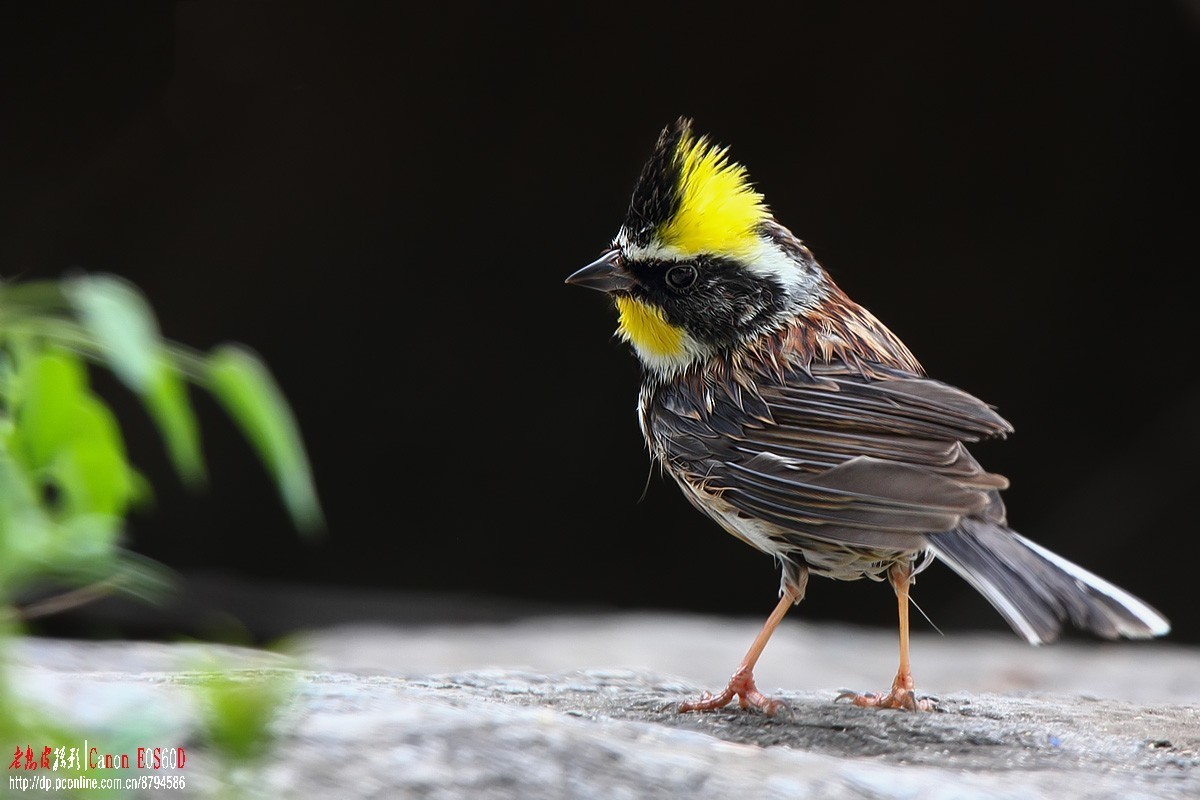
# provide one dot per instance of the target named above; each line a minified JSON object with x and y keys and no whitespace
{"x":583,"y":707}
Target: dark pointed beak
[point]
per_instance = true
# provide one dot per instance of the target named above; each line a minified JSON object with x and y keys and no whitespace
{"x":605,"y":274}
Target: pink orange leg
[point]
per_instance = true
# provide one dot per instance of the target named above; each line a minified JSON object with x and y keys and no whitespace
{"x":902,"y":695}
{"x":741,"y":684}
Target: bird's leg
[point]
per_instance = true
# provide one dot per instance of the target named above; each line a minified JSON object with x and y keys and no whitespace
{"x":902,"y":694}
{"x":741,"y":684}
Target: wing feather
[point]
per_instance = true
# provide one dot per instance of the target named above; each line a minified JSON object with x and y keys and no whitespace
{"x":832,"y":454}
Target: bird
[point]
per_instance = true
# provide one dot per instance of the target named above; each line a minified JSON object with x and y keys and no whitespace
{"x":799,"y":423}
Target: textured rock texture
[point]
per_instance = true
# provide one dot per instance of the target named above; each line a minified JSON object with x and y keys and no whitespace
{"x":353,"y":727}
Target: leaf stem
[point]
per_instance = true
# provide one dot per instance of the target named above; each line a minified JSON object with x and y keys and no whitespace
{"x":68,"y":600}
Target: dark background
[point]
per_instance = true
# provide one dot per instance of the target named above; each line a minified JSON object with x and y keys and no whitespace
{"x":384,"y":201}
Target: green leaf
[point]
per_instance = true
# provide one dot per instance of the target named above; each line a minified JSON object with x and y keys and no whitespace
{"x":25,"y":530}
{"x":238,"y":711}
{"x":69,"y":440}
{"x":50,"y":387}
{"x":241,"y":382}
{"x":166,"y":399}
{"x":123,"y":325}
{"x":121,"y":320}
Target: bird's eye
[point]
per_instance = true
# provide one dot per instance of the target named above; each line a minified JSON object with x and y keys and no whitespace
{"x":681,"y":277}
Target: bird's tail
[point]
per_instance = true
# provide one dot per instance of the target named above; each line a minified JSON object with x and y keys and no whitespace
{"x":1037,"y":590}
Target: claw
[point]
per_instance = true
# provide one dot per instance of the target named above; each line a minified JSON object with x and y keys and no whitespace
{"x":899,"y":698}
{"x":741,"y":686}
{"x":903,"y":696}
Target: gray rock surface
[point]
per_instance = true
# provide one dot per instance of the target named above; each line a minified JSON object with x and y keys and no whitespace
{"x":803,"y":656}
{"x":474,"y":726}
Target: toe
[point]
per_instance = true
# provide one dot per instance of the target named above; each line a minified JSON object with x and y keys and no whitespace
{"x":771,"y":707}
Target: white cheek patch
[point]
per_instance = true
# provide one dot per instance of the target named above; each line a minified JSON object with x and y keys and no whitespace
{"x":802,"y":282}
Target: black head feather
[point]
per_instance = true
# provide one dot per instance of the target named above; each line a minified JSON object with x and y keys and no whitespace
{"x":656,"y":195}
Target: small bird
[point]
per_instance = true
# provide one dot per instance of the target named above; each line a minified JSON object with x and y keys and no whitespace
{"x":797,"y":421}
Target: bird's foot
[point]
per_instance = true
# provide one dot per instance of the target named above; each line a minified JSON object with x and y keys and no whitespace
{"x":902,"y":697}
{"x":741,"y":686}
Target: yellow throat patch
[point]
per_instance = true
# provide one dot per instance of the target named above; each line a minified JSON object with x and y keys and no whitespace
{"x":719,"y":211}
{"x":646,"y":329}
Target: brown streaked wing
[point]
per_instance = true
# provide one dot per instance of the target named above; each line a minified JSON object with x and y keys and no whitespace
{"x":871,"y":462}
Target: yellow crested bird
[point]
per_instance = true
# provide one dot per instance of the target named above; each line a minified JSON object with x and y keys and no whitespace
{"x":792,"y":417}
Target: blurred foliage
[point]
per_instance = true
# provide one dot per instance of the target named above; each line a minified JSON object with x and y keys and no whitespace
{"x":240,"y":714}
{"x":66,"y":483}
{"x":237,"y":711}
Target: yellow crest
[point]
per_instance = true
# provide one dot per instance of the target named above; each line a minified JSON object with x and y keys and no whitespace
{"x":718,"y":210}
